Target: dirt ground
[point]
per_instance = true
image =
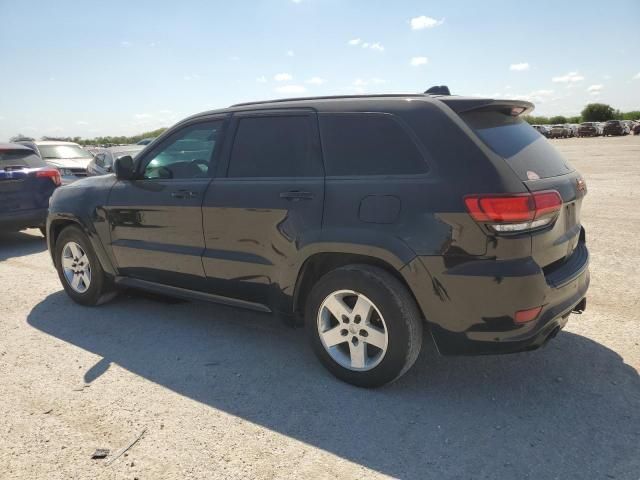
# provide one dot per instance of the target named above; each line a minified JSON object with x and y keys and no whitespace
{"x":226,"y":393}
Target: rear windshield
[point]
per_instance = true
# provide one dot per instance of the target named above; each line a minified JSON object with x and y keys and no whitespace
{"x":527,"y":152}
{"x":63,"y":151}
{"x":20,"y":158}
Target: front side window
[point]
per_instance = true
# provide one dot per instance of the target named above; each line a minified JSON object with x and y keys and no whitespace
{"x":186,"y":154}
{"x":274,"y":146}
{"x":368,"y":144}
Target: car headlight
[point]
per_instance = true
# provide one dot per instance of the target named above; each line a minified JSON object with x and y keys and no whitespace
{"x":65,"y":172}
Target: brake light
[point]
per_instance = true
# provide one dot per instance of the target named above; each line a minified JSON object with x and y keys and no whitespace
{"x":51,"y":173}
{"x":515,"y":213}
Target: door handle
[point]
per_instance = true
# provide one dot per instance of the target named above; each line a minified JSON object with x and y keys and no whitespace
{"x":296,"y":195}
{"x":184,"y":194}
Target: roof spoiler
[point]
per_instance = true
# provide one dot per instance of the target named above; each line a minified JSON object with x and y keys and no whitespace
{"x":509,"y":107}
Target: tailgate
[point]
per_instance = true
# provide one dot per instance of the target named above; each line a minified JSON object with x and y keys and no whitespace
{"x":559,"y":242}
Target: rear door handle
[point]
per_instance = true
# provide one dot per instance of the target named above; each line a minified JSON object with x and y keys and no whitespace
{"x":296,"y":195}
{"x":184,"y":194}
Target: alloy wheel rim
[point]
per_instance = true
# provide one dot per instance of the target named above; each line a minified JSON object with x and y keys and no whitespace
{"x":352,"y":330}
{"x":76,"y":267}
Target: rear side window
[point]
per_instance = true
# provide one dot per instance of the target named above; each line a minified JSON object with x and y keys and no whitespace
{"x":274,"y":146}
{"x":528,"y":153}
{"x":368,"y":144}
{"x":20,"y":158}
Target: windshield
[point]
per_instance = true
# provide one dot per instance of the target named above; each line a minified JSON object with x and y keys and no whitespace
{"x":63,"y":151}
{"x":525,"y":150}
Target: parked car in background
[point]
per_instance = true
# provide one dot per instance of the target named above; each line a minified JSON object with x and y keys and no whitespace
{"x":26,"y":183}
{"x":146,"y":141}
{"x":543,"y":130}
{"x":560,"y":131}
{"x":69,"y":158}
{"x":104,"y":158}
{"x":573,"y":127}
{"x":636,"y":128}
{"x":369,"y":217}
{"x":616,"y":128}
{"x":589,"y":129}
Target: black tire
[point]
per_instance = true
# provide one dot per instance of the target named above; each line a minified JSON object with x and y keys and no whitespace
{"x":101,"y":288}
{"x":397,"y":306}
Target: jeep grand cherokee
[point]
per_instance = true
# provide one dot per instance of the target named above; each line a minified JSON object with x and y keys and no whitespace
{"x":369,"y":217}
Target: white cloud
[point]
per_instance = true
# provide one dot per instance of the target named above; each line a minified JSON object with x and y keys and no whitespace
{"x":571,"y":77}
{"x":261,"y":79}
{"x":153,"y":44}
{"x":359,"y":85}
{"x":316,"y":81}
{"x":377,"y":46}
{"x":608,"y":77}
{"x":142,"y":116}
{"x":594,"y":88}
{"x":519,"y":67}
{"x":290,"y":53}
{"x":282,"y":77}
{"x":296,"y":1}
{"x":125,"y":43}
{"x":291,"y":89}
{"x":417,"y":61}
{"x":422,"y":22}
{"x":81,"y":122}
{"x":636,"y":76}
{"x":193,"y":76}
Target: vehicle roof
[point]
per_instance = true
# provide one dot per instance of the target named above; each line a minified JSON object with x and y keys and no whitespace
{"x":54,"y":142}
{"x":367,"y":103}
{"x":14,"y":146}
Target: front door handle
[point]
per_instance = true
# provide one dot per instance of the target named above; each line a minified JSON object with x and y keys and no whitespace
{"x":184,"y":194}
{"x":296,"y":195}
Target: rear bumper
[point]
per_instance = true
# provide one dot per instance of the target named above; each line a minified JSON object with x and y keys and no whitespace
{"x":470,"y":307}
{"x":13,"y":221}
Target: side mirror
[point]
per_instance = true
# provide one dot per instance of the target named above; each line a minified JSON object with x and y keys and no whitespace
{"x":125,"y":168}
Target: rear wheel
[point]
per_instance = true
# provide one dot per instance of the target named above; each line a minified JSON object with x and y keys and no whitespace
{"x":363,"y":325}
{"x":79,"y":270}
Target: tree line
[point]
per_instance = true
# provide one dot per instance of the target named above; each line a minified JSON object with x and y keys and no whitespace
{"x":108,"y":140}
{"x":593,"y":112}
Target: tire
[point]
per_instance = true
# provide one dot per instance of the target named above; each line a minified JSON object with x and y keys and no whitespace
{"x":393,"y":313}
{"x":100,"y":288}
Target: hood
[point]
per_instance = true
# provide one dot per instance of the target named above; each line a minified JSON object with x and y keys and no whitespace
{"x":68,"y":162}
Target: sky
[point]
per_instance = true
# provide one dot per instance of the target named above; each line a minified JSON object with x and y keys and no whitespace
{"x":77,"y":68}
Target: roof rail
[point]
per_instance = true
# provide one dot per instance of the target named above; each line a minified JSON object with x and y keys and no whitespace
{"x":330,"y":97}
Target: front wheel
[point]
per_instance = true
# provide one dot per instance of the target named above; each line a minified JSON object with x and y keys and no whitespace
{"x":363,"y":325}
{"x":79,"y":269}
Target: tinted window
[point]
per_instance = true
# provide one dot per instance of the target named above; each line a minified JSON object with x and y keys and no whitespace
{"x":20,"y":158}
{"x":279,"y":146}
{"x":368,"y":144}
{"x":520,"y":145}
{"x":185,"y":154}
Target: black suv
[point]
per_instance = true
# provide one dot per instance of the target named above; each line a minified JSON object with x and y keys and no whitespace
{"x":370,"y":217}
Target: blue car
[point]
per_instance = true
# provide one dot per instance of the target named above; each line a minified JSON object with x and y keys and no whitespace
{"x":26,"y":183}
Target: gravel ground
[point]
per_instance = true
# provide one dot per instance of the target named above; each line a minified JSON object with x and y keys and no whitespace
{"x":226,"y":393}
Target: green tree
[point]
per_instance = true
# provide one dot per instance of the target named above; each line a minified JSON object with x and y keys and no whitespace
{"x":598,"y":112}
{"x":21,"y":138}
{"x":558,"y":119}
{"x":574,"y":119}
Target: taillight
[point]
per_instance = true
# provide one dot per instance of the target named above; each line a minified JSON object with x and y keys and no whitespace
{"x":516,"y":212}
{"x":51,"y":173}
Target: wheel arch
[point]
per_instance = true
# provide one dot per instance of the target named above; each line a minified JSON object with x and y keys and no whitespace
{"x":320,"y":263}
{"x":57,"y":223}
